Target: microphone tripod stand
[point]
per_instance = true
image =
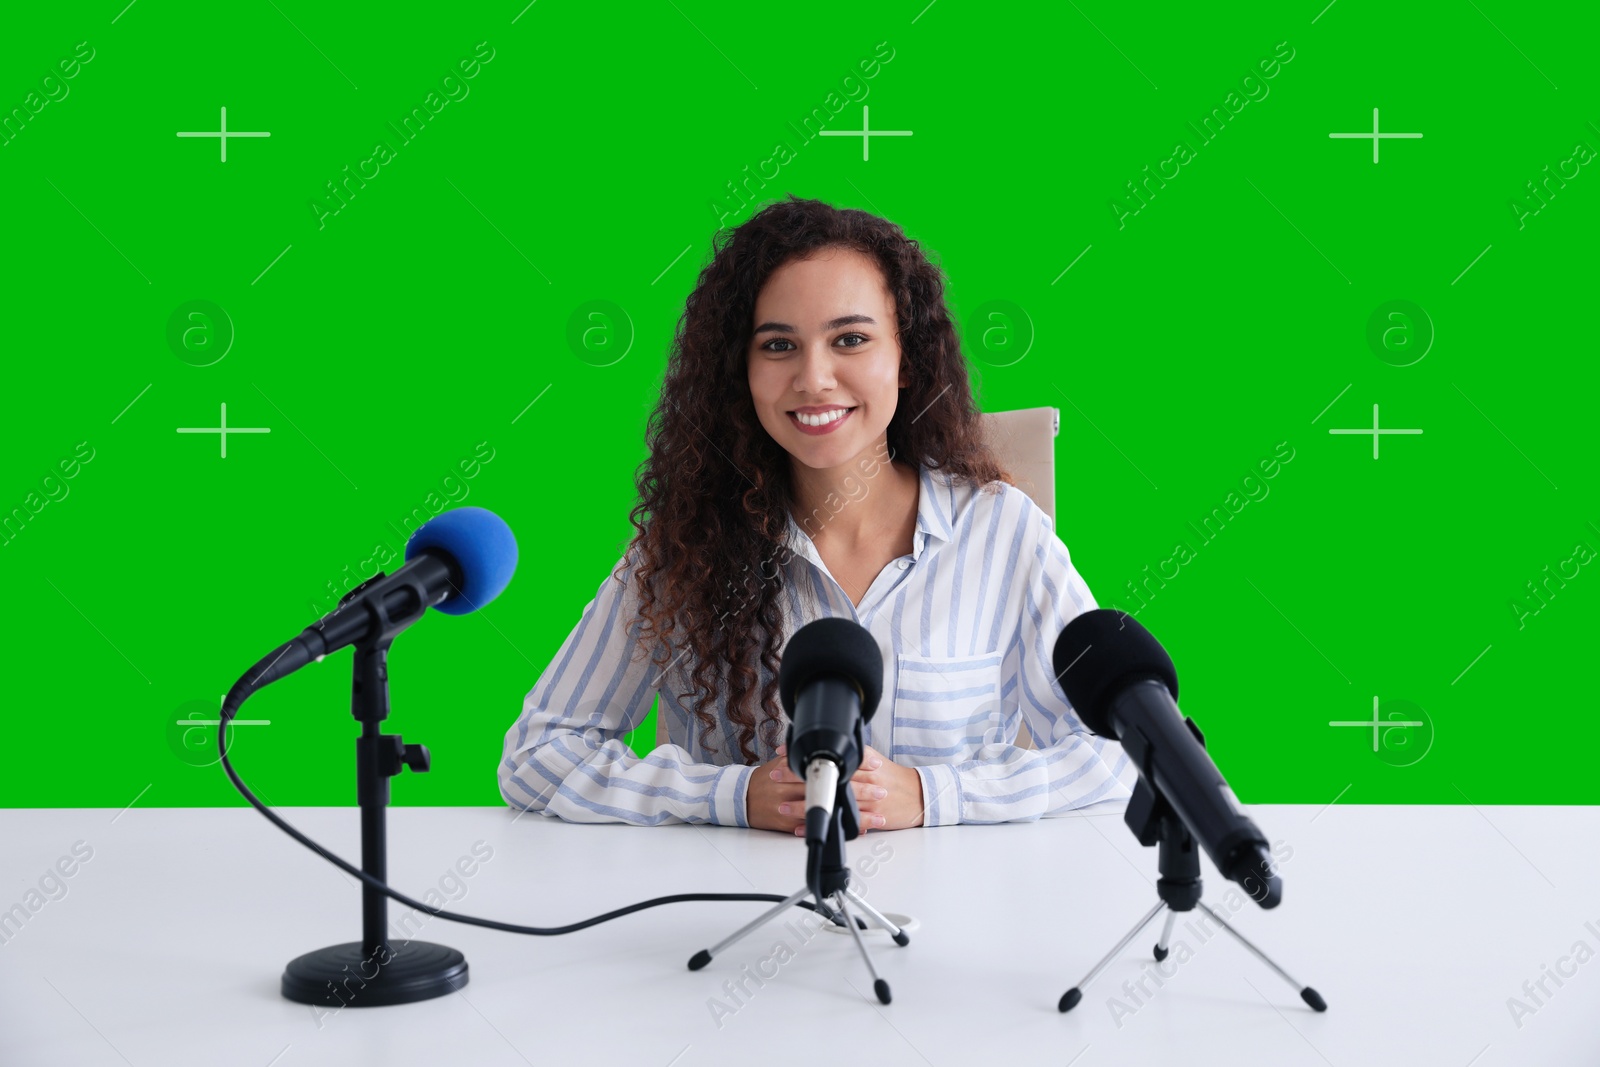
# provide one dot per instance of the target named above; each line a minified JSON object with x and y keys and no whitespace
{"x":1154,"y":822}
{"x":827,"y":875}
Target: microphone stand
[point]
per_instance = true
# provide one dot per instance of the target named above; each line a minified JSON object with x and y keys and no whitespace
{"x":828,"y":879}
{"x":382,"y":973}
{"x":1153,"y":821}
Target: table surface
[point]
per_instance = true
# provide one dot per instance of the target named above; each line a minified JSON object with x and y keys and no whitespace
{"x":1417,"y":924}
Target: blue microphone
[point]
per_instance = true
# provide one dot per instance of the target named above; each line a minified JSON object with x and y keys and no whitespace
{"x":480,"y":545}
{"x":456,"y":563}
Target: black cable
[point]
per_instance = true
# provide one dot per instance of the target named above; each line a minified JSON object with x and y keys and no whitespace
{"x":543,"y":931}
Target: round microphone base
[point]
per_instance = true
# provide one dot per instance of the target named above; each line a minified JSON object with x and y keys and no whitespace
{"x":349,"y":976}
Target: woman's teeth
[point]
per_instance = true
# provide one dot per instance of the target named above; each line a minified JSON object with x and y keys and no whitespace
{"x":824,"y":418}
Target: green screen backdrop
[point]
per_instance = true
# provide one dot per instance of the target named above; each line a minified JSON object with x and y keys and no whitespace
{"x":438,"y":260}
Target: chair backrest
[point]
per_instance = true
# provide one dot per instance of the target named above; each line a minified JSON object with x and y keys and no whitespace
{"x":1024,"y":443}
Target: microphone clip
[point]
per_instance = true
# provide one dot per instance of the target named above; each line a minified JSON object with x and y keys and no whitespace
{"x":361,"y":588}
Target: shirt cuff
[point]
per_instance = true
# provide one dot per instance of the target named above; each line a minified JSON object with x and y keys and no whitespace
{"x":730,"y":796}
{"x":941,"y":794}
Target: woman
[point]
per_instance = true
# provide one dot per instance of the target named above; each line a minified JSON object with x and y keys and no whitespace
{"x":817,"y":452}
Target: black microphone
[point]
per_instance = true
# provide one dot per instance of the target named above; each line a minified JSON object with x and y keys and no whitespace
{"x":456,"y":563}
{"x":1122,"y":684}
{"x":830,"y":680}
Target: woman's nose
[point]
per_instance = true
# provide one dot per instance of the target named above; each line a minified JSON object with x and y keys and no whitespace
{"x":815,"y":372}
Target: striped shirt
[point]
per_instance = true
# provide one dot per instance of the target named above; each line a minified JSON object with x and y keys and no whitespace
{"x":966,"y":624}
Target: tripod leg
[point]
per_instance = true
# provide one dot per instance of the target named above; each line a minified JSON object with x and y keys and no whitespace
{"x":879,"y":986}
{"x":1166,"y":936}
{"x":703,"y":957}
{"x":1307,"y":994}
{"x":828,"y":913}
{"x":901,"y":938}
{"x":1070,"y":998}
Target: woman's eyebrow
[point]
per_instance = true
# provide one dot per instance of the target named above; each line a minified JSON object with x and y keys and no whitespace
{"x":831,"y":324}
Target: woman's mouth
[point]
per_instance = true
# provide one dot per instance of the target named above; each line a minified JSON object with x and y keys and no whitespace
{"x":821,"y":423}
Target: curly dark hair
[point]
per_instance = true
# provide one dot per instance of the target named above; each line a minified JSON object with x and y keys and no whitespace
{"x":715,"y":492}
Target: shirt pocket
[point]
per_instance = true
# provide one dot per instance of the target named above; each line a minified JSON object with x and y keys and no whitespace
{"x":945,"y":707}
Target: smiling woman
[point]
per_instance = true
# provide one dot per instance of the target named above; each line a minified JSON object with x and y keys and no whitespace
{"x":821,"y":340}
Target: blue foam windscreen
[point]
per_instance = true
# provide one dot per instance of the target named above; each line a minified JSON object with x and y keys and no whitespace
{"x":483,"y":547}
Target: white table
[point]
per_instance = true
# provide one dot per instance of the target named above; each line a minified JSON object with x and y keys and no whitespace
{"x":1415,"y":923}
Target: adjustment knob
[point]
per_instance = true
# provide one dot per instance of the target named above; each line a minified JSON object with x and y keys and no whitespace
{"x":416,"y":757}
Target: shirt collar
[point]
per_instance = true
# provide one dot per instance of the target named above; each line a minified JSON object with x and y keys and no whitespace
{"x":933,"y":500}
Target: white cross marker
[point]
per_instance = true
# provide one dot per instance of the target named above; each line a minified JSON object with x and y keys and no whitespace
{"x":1375,"y":135}
{"x":865,"y":134}
{"x":1379,"y":724}
{"x":224,"y":133}
{"x":224,"y":430}
{"x":1375,"y":431}
{"x":218,"y":722}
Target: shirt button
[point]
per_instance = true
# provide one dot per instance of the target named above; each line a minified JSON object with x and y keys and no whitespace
{"x":904,"y":564}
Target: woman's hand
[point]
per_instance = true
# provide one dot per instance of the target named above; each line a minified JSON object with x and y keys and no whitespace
{"x":888,"y":795}
{"x":775,"y":798}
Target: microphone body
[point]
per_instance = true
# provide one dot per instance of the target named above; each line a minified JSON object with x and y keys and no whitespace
{"x":822,"y":785}
{"x":825,"y":745}
{"x":385,"y":603}
{"x":1123,"y":686}
{"x":1166,"y":747}
{"x":829,"y":681}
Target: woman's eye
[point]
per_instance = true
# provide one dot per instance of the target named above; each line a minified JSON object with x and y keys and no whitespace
{"x":860,"y":339}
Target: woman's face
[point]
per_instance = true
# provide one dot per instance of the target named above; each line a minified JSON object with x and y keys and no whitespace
{"x":825,"y":341}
